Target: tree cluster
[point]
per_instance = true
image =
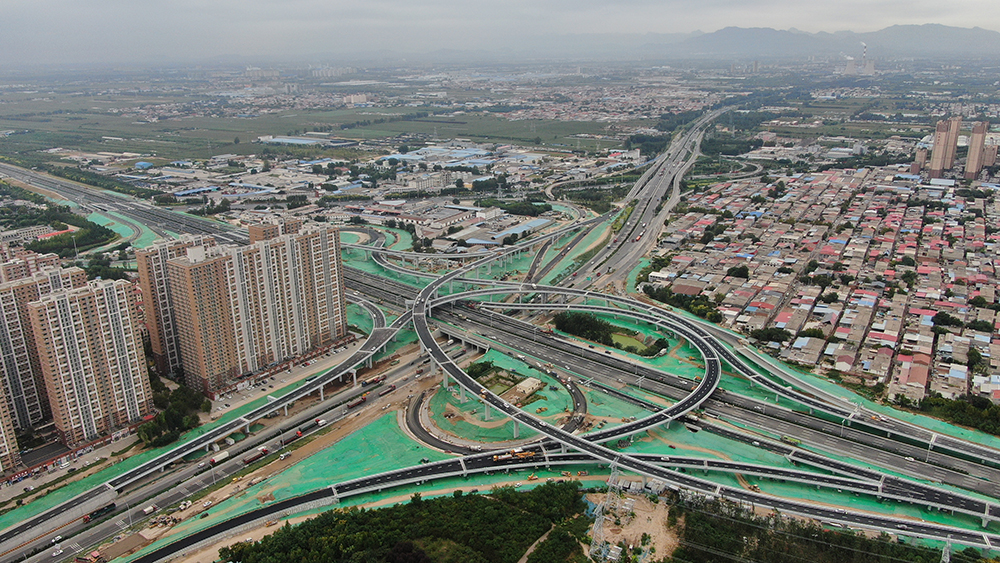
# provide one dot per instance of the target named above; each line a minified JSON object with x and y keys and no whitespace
{"x":179,"y":413}
{"x":585,"y":325}
{"x":87,"y":235}
{"x":497,"y":528}
{"x":717,"y":531}
{"x":697,"y":304}
{"x":969,"y":410}
{"x":525,"y":207}
{"x":105,"y":182}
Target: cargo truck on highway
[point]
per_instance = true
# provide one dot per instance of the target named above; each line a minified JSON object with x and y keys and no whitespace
{"x":99,"y":512}
{"x":308,"y":426}
{"x":388,"y":390}
{"x":252,"y":458}
{"x":219,"y":458}
{"x":357,"y":402}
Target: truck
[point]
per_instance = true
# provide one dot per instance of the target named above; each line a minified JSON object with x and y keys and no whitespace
{"x":99,"y":512}
{"x":255,"y":456}
{"x":290,"y":439}
{"x":791,"y":441}
{"x":357,"y":402}
{"x":375,"y":380}
{"x":387,"y":390}
{"x":516,"y":453}
{"x":308,"y":426}
{"x":149,"y":509}
{"x":219,"y":458}
{"x":321,"y":422}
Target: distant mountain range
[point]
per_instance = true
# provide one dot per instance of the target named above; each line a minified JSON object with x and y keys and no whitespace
{"x":930,"y":41}
{"x":921,"y":41}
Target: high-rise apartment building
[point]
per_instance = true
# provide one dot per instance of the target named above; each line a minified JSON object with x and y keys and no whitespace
{"x":156,"y":301}
{"x":977,"y":150}
{"x":241,"y":309}
{"x":24,"y":389}
{"x":23,"y":263}
{"x":90,"y":350}
{"x":274,"y":228}
{"x":10,"y":455}
{"x":945,"y":145}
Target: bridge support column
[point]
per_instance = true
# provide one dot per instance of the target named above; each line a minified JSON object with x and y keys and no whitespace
{"x":545,"y":453}
{"x":208,"y":447}
{"x":516,"y":435}
{"x":354,"y":379}
{"x":322,"y":395}
{"x":368,"y":362}
{"x":461,"y":394}
{"x":247,"y":429}
{"x":465,"y":471}
{"x":562,"y":448}
{"x":286,"y":409}
{"x":486,"y":411}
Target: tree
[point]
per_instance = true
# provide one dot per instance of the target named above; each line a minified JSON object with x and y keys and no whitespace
{"x":741,"y":271}
{"x":236,"y":140}
{"x":771,"y":334}
{"x":944,"y":319}
{"x":459,"y":183}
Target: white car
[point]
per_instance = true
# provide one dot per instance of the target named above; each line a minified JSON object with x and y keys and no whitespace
{"x":207,"y":504}
{"x":57,"y":553}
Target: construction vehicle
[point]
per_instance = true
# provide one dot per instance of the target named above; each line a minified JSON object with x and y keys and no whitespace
{"x":582,"y":473}
{"x":532,"y":477}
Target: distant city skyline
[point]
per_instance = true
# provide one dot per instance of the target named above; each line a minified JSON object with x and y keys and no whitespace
{"x":86,"y":32}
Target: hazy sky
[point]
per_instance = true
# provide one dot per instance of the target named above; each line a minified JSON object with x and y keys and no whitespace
{"x":163,"y":31}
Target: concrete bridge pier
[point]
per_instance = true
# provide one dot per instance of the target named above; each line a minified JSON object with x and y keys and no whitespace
{"x":286,"y":404}
{"x":461,"y":394}
{"x":354,"y":379}
{"x":516,"y":433}
{"x":322,"y":395}
{"x":486,"y":411}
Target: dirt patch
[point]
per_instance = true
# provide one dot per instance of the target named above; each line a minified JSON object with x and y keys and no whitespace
{"x":649,"y":518}
{"x":269,"y":497}
{"x":126,"y":546}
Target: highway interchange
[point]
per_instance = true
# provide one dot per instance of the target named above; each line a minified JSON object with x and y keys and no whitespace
{"x":883,"y":442}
